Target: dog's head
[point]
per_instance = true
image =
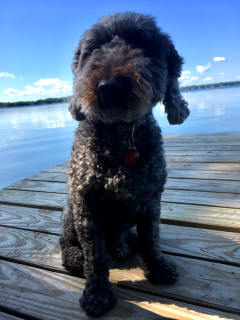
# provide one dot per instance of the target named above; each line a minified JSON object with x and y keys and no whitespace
{"x":123,"y":66}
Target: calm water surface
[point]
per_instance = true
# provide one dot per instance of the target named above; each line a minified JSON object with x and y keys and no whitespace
{"x":38,"y":137}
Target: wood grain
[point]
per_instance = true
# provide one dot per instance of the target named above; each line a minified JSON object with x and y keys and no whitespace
{"x":50,"y":295}
{"x":227,"y":200}
{"x":199,"y":282}
{"x":48,"y":176}
{"x":5,"y":316}
{"x":204,"y":159}
{"x":33,"y":199}
{"x":40,"y":186}
{"x":227,"y":219}
{"x":206,"y":175}
{"x":43,"y":249}
{"x":59,"y":169}
{"x":200,"y":147}
{"x":201,"y":153}
{"x":204,"y":166}
{"x":203,"y":185}
{"x":30,"y":218}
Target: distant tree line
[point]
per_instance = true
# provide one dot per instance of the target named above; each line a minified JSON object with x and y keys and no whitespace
{"x":211,"y":85}
{"x":67,"y":99}
{"x":38,"y":102}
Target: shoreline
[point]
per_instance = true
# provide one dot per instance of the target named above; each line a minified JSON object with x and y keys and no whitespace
{"x":220,"y":85}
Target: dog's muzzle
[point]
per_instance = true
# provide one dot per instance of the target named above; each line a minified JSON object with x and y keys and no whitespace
{"x":112,"y":93}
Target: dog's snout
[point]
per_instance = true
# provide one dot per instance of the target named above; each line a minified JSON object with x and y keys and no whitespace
{"x":110,"y":87}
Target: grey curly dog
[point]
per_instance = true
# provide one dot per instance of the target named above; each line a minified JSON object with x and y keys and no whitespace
{"x":123,"y":66}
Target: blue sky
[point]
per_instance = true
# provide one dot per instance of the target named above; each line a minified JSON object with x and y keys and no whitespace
{"x":38,"y":39}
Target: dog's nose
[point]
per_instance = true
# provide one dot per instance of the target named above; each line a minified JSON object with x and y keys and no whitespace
{"x":110,"y":87}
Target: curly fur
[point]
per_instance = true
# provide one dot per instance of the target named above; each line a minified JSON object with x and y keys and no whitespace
{"x":108,"y":198}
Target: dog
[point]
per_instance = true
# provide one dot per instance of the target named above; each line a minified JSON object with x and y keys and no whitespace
{"x":123,"y":66}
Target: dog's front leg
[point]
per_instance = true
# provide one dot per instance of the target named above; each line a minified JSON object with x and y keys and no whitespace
{"x":157,"y":269}
{"x":97,"y":296}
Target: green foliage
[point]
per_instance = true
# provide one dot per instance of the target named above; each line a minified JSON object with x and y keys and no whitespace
{"x":31,"y":103}
{"x":211,"y":85}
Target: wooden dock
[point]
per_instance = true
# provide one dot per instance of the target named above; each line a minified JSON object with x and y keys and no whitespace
{"x":200,"y":231}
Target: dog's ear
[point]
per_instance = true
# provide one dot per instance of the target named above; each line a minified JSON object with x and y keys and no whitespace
{"x":75,"y":107}
{"x":175,"y":106}
{"x":75,"y":110}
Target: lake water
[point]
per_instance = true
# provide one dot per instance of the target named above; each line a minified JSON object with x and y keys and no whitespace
{"x":38,"y":137}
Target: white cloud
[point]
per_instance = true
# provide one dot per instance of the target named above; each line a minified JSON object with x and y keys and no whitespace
{"x":222,"y":73}
{"x":208,"y":79}
{"x":201,"y":69}
{"x":239,"y":77}
{"x":217,"y":59}
{"x":21,"y":78}
{"x":186,"y":72}
{"x":47,"y":82}
{"x":184,"y":77}
{"x":7,"y":75}
{"x":186,"y":82}
{"x":10,"y":90}
{"x":55,"y":86}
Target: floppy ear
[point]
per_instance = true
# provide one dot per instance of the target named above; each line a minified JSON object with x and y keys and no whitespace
{"x":175,"y":106}
{"x":75,"y":107}
{"x":75,"y":110}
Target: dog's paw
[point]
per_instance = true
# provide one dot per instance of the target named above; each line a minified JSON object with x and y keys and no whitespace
{"x":161,"y":272}
{"x":96,"y":301}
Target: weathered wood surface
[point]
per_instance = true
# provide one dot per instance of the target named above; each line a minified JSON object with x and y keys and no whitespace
{"x":201,"y":153}
{"x":226,"y":219}
{"x":40,"y":186}
{"x":5,"y":316}
{"x":49,"y":295}
{"x":30,"y":218}
{"x":48,"y":176}
{"x":200,"y":231}
{"x":205,"y":159}
{"x":177,"y":184}
{"x":200,"y":147}
{"x":170,"y":211}
{"x":203,"y":185}
{"x":203,"y":166}
{"x":206,"y":175}
{"x":183,"y":174}
{"x":227,"y":200}
{"x":43,"y":249}
{"x":33,"y":199}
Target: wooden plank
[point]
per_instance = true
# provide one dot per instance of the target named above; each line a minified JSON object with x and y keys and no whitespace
{"x":204,"y":138}
{"x":33,"y":199}
{"x":201,"y":153}
{"x":206,"y":175}
{"x":48,"y":176}
{"x":203,"y":185}
{"x":227,"y":219}
{"x":200,"y":147}
{"x":203,"y":134}
{"x":204,"y":166}
{"x":30,"y":218}
{"x":5,"y":316}
{"x":212,"y":284}
{"x":227,"y":200}
{"x":41,"y":249}
{"x":45,"y":294}
{"x":205,"y":159}
{"x":59,"y":169}
{"x":209,"y":144}
{"x":40,"y":186}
